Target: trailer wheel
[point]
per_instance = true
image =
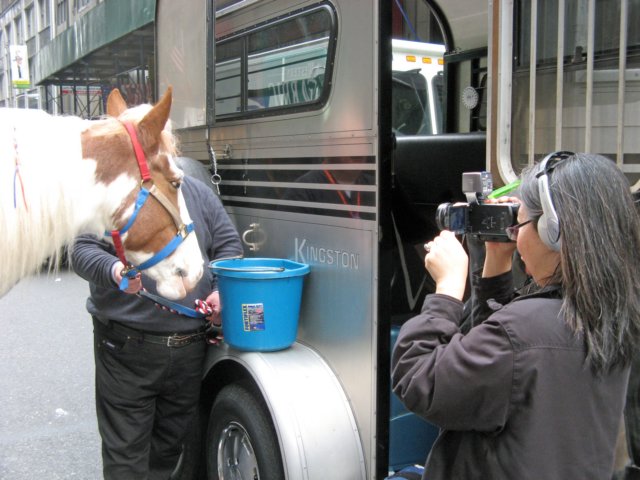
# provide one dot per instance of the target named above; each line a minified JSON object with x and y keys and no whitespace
{"x":241,"y":440}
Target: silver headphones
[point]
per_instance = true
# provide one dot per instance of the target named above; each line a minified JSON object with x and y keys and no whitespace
{"x":548,"y":223}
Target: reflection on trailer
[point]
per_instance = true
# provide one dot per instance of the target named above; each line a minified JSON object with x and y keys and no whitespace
{"x":284,"y":76}
{"x":417,"y":70}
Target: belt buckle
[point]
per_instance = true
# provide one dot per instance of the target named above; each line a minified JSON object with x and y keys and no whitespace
{"x":178,"y":340}
{"x":183,"y":340}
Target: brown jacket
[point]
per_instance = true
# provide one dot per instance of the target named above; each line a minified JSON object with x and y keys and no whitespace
{"x":513,"y":397}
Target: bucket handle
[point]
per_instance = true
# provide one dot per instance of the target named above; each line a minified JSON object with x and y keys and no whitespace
{"x":252,"y":269}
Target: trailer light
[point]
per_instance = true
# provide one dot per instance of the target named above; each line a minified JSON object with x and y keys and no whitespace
{"x":441,"y":61}
{"x":426,"y":60}
{"x":411,"y":58}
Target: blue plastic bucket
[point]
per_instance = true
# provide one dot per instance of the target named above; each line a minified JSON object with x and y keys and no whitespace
{"x":260,"y":301}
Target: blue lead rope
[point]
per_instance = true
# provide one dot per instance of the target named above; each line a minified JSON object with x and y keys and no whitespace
{"x":124,"y":283}
{"x":173,"y":306}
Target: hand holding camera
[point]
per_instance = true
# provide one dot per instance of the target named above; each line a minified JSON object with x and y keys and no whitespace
{"x":499,"y":255}
{"x":480,"y":217}
{"x":483,"y":220}
{"x":447,"y":263}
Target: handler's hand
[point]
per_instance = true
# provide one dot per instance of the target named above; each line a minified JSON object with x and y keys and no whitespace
{"x":214,"y":302}
{"x":448,"y":264}
{"x":135,"y":284}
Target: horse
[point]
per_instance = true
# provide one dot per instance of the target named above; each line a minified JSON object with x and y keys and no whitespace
{"x":113,"y":177}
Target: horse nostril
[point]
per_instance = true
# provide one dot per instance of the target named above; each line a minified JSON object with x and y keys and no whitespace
{"x":180,"y":272}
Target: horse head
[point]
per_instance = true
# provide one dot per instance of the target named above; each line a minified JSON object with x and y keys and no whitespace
{"x":152,"y":221}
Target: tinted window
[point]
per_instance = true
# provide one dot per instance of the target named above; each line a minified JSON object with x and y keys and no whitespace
{"x":276,"y":67}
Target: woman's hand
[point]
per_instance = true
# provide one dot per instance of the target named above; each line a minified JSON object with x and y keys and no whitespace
{"x":498,"y":258}
{"x":448,"y":264}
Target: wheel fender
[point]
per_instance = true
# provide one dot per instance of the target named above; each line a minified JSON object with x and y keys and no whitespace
{"x":316,"y":428}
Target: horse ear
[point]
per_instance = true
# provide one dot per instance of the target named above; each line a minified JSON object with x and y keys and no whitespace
{"x":115,"y":103}
{"x":154,"y":122}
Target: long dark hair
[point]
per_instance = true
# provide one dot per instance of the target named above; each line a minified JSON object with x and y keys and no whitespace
{"x":599,"y":254}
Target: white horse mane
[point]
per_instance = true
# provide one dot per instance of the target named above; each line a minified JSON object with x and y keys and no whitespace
{"x":43,"y":176}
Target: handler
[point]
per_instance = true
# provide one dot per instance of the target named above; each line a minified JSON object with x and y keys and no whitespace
{"x":149,"y":362}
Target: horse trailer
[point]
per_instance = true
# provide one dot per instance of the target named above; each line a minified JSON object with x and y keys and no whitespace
{"x":332,"y":130}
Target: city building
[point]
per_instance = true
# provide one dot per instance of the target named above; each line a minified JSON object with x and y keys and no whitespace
{"x":64,"y":56}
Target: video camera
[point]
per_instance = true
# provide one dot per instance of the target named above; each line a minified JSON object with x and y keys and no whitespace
{"x":485,"y":221}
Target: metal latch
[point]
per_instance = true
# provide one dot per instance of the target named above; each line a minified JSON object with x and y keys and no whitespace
{"x":254,"y":237}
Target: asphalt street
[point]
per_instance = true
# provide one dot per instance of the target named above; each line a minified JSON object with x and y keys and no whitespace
{"x":47,"y":415}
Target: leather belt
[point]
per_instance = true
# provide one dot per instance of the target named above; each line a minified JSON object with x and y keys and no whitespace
{"x":179,"y":339}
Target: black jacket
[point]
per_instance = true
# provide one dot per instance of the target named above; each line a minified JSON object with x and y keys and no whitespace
{"x":514,"y":398}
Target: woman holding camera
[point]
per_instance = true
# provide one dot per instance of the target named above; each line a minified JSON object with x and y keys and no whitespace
{"x":536,"y":389}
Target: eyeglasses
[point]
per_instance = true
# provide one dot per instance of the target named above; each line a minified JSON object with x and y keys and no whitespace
{"x":512,"y":232}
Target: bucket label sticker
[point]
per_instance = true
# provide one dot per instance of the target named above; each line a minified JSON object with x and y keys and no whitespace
{"x":253,"y":317}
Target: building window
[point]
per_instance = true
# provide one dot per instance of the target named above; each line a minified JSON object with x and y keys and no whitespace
{"x":61,"y":12}
{"x":8,"y":35}
{"x":43,"y":8}
{"x":82,"y":4}
{"x":19,"y":33}
{"x":30,"y":19}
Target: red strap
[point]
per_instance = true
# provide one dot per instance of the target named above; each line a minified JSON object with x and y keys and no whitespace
{"x":341,"y":194}
{"x":117,"y":243}
{"x":137,"y":148}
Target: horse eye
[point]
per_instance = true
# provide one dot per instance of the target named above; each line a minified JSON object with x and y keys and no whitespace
{"x":176,"y":184}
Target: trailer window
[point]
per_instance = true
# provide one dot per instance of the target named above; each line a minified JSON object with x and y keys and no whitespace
{"x":568,"y":92}
{"x":417,"y":51}
{"x":228,"y":91}
{"x":278,"y":67}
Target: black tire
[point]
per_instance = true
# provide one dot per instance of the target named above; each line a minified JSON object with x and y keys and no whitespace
{"x":241,"y":440}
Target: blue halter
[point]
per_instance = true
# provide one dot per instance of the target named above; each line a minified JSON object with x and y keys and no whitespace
{"x":130,"y":271}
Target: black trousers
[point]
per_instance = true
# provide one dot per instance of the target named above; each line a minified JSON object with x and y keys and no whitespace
{"x":146,"y":396}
